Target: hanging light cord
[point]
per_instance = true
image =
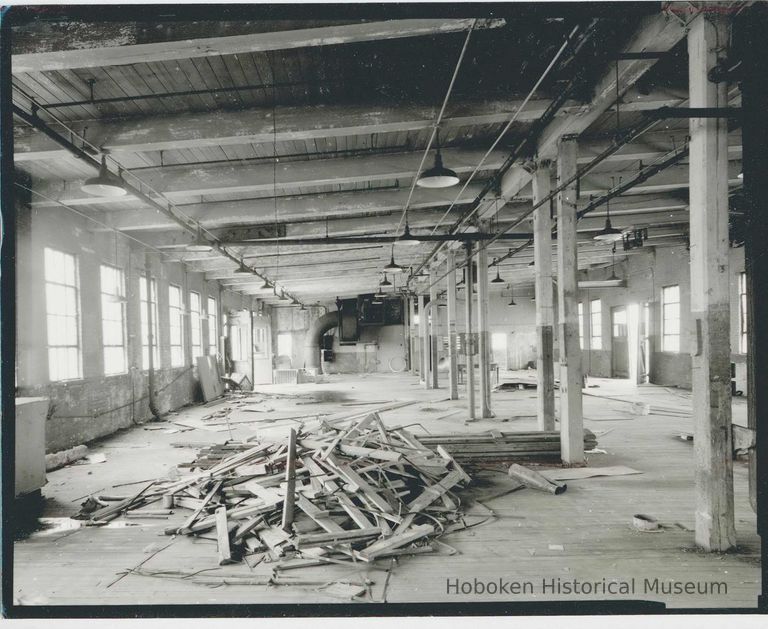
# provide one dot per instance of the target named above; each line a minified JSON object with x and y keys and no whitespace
{"x":501,"y":135}
{"x":435,"y":126}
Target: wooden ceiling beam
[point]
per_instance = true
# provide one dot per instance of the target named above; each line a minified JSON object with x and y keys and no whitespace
{"x":319,"y":207}
{"x":658,"y":33}
{"x":92,"y":53}
{"x":259,"y":126}
{"x":179,"y":182}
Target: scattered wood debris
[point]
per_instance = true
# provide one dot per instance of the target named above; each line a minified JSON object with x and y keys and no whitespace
{"x":501,"y":446}
{"x":357,"y":491}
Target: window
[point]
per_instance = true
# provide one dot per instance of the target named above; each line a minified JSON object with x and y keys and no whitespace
{"x":113,"y":320}
{"x":284,"y":344}
{"x":145,"y":327}
{"x":595,"y":324}
{"x":62,"y":310}
{"x":213,"y":327}
{"x":195,"y":325}
{"x":743,"y":313}
{"x":619,"y":322}
{"x":581,"y":325}
{"x":260,"y":342}
{"x":670,"y":319}
{"x":176,"y":325}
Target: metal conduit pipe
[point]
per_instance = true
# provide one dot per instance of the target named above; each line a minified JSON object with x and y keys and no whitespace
{"x":150,"y":339}
{"x":168,"y":210}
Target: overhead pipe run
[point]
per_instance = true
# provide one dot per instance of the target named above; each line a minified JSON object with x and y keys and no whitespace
{"x":533,"y":133}
{"x":381,"y":240}
{"x":185,"y":223}
{"x":674,"y":157}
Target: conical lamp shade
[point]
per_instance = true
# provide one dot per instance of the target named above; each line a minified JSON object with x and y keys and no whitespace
{"x":104,"y":184}
{"x":609,"y":233}
{"x":438,"y":176}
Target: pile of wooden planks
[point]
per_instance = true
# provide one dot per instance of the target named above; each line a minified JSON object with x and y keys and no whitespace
{"x":502,"y":446}
{"x":356,"y":491}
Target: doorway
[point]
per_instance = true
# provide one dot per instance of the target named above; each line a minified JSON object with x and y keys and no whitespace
{"x":619,"y":344}
{"x":499,"y":349}
{"x":262,"y":354}
{"x":645,"y":342}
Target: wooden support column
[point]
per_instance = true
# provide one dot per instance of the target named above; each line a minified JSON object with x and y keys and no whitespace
{"x":545,"y":316}
{"x":422,"y":342}
{"x":752,"y":27}
{"x":434,"y":336}
{"x":482,"y":325}
{"x":412,"y":348}
{"x":469,"y":345}
{"x":571,"y":420}
{"x":453,"y":367}
{"x":710,"y":302}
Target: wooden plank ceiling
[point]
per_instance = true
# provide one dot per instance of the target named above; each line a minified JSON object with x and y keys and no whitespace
{"x":320,"y":126}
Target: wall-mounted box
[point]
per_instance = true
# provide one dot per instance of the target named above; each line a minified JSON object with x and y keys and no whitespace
{"x":30,"y":444}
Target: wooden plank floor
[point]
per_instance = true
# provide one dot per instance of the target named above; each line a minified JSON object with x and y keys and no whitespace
{"x":584,"y":534}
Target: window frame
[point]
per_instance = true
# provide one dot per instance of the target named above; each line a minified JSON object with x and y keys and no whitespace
{"x":143,"y":329}
{"x":580,"y":319}
{"x":109,"y":299}
{"x":50,"y":270}
{"x":195,"y":325}
{"x":285,"y":335}
{"x":213,"y":326}
{"x":595,"y":330}
{"x":176,"y":322}
{"x":668,"y":337}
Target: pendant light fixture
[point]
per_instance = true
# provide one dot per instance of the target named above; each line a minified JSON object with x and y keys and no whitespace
{"x":408,"y":238}
{"x":242,"y":268}
{"x":200,"y":244}
{"x":497,"y":279}
{"x":511,"y":297}
{"x":609,"y":233}
{"x":105,"y":184}
{"x":282,"y":295}
{"x":266,"y":285}
{"x":385,"y":281}
{"x":438,"y":176}
{"x":393,"y":267}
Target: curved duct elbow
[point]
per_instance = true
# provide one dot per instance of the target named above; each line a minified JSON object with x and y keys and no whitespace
{"x":312,"y":344}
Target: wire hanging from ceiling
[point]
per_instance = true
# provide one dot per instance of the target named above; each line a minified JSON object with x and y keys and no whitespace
{"x":436,"y":125}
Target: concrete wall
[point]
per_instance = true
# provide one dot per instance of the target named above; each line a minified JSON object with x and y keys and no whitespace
{"x":295,"y":322}
{"x":647,"y":273}
{"x":96,"y":405}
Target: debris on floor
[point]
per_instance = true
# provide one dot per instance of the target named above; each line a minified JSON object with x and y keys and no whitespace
{"x":353,"y":491}
{"x":64,"y":457}
{"x":645,"y":522}
{"x":534,"y":480}
{"x":500,"y":446}
{"x":574,"y":473}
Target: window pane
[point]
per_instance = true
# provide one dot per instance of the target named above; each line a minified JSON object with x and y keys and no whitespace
{"x":114,"y":360}
{"x":176,"y":357}
{"x":69,"y":270}
{"x":55,"y":300}
{"x":54,"y":266}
